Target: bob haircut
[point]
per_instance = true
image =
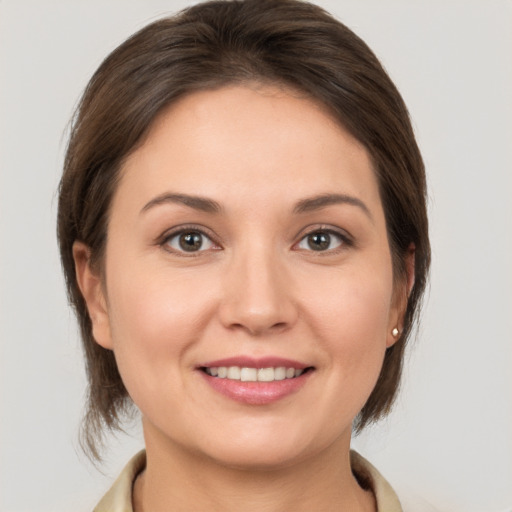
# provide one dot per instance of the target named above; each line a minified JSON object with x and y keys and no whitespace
{"x":285,"y":43}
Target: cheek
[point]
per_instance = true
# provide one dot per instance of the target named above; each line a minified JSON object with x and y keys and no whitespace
{"x":350,"y":304}
{"x":154,"y":319}
{"x":350,"y":319}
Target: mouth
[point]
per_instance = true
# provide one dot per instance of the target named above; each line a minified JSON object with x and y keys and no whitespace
{"x":256,"y":381}
{"x":249,"y":374}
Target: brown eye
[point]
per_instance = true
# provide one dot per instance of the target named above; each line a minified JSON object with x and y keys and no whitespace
{"x":189,"y":241}
{"x":321,"y":241}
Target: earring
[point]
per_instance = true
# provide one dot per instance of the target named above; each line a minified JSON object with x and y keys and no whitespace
{"x":395,"y":332}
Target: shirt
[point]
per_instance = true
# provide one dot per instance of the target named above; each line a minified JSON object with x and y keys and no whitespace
{"x":119,"y":497}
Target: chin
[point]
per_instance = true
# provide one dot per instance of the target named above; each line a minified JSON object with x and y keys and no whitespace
{"x":257,"y":459}
{"x":258,"y":450}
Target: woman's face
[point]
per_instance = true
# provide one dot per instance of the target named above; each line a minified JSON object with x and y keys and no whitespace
{"x":247,"y":238}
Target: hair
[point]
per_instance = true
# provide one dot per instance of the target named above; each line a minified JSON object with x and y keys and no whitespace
{"x":288,"y":43}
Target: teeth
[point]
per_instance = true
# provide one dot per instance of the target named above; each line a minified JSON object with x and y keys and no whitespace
{"x":254,"y":374}
{"x":233,"y":373}
{"x":248,"y":374}
{"x":265,"y":374}
{"x":280,"y":373}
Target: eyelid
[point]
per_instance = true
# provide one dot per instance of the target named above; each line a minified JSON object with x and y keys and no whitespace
{"x":184,"y":228}
{"x":348,"y":240}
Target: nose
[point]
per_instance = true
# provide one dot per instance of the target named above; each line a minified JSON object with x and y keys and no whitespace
{"x":257,"y":295}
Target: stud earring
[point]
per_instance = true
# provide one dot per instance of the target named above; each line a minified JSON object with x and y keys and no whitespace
{"x":395,"y":332}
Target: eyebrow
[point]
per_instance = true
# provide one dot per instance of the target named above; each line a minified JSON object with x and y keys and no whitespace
{"x":323,"y":200}
{"x":198,"y":203}
{"x":210,"y":206}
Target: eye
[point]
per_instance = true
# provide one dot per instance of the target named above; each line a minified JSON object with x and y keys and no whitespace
{"x":321,"y":240}
{"x":189,"y":241}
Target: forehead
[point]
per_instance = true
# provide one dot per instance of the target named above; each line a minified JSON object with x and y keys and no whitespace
{"x":267,"y":143}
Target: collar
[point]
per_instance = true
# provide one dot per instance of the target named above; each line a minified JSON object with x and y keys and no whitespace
{"x":119,"y":497}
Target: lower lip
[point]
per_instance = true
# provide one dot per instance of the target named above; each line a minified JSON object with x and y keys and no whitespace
{"x":256,"y":393}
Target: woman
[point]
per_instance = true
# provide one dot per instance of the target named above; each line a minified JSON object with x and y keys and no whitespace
{"x":243,"y":231}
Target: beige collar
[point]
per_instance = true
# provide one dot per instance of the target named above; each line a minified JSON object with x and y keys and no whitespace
{"x":119,"y":497}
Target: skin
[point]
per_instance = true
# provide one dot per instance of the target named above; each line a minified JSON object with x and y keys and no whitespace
{"x":256,"y":288}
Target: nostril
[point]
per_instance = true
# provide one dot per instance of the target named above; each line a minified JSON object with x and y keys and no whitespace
{"x":256,"y":313}
{"x":257,"y":328}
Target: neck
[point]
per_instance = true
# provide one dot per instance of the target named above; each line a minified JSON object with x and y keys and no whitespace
{"x":177,"y":479}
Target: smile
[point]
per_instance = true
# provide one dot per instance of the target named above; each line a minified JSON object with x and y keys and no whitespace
{"x":245,"y":374}
{"x":256,"y":381}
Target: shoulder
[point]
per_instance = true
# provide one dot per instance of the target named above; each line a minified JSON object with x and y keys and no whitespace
{"x":119,"y":496}
{"x":369,"y":478}
{"x":387,"y":498}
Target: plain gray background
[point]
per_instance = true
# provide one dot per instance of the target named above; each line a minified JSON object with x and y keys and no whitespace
{"x":449,"y":437}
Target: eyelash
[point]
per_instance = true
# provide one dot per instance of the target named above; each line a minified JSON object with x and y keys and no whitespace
{"x":345,"y":241}
{"x":183,"y":230}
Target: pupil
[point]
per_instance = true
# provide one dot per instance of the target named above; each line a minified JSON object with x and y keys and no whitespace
{"x":190,"y":241}
{"x":319,"y":241}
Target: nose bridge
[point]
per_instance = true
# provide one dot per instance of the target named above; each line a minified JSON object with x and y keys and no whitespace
{"x":257,"y":294}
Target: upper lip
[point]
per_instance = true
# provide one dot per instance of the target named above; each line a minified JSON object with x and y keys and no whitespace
{"x":255,"y":362}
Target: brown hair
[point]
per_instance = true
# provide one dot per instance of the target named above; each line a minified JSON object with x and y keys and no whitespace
{"x":283,"y":42}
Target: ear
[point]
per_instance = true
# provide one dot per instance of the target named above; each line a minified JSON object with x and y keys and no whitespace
{"x":90,"y":284}
{"x":401,"y":298}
